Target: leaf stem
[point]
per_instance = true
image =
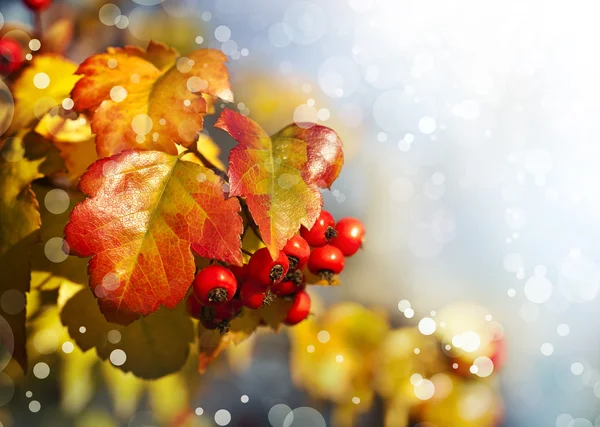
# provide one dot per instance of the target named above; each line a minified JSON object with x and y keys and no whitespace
{"x":194,"y":149}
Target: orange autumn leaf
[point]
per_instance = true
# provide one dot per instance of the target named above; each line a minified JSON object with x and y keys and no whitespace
{"x":147,"y":211}
{"x":280,"y":175}
{"x":149,"y":99}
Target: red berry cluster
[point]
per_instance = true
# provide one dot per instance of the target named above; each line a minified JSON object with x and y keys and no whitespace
{"x":220,"y":293}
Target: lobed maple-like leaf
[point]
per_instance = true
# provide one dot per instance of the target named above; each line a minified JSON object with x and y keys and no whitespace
{"x":279,"y":176}
{"x":150,"y":98}
{"x":19,"y":230}
{"x":147,"y":211}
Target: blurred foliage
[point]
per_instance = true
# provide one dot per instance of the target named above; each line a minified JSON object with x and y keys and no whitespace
{"x":350,"y":356}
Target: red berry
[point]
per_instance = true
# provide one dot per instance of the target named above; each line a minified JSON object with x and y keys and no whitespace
{"x":240,"y":273}
{"x":350,"y":234}
{"x":253,"y":294}
{"x":299,"y":310}
{"x":321,"y":232}
{"x":214,"y":285}
{"x":327,"y":259}
{"x":11,"y":55}
{"x":267,"y":270}
{"x":297,"y":251}
{"x":37,"y":5}
{"x":219,"y":316}
{"x":293,"y":282}
{"x":193,"y":306}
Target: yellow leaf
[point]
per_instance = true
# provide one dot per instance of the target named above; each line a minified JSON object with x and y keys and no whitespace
{"x":210,"y":150}
{"x":313,"y":279}
{"x":77,"y":380}
{"x":72,"y":136}
{"x":169,"y":398}
{"x":275,"y":313}
{"x":43,"y":85}
{"x":47,"y":274}
{"x":124,"y":388}
{"x":95,"y":418}
{"x":150,"y":347}
{"x":240,"y":356}
{"x":19,"y":229}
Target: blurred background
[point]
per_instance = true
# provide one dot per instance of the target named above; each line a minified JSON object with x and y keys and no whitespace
{"x":470,"y":132}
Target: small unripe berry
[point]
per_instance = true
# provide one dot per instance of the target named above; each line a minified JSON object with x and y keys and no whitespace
{"x":214,"y":285}
{"x":350,"y":235}
{"x":297,"y":251}
{"x":219,"y":316}
{"x":299,"y":310}
{"x":321,"y":232}
{"x":267,"y":270}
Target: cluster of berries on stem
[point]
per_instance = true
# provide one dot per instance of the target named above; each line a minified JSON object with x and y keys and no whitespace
{"x":221,"y":292}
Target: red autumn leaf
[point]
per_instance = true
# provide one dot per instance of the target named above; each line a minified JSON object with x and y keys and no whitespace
{"x":146,"y":212}
{"x":150,"y":98}
{"x":279,"y":176}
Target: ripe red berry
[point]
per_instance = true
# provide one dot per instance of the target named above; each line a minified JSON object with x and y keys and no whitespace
{"x":320,"y":233}
{"x":326,"y":261}
{"x":11,"y":55}
{"x":293,"y":282}
{"x":254,"y":294}
{"x":37,"y":5}
{"x":214,"y":285}
{"x":299,"y":310}
{"x":350,"y":234}
{"x":240,"y":273}
{"x":193,"y":306}
{"x":219,"y":316}
{"x":267,"y":270}
{"x":297,"y":251}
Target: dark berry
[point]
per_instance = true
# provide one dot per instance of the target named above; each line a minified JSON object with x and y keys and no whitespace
{"x":193,"y":306}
